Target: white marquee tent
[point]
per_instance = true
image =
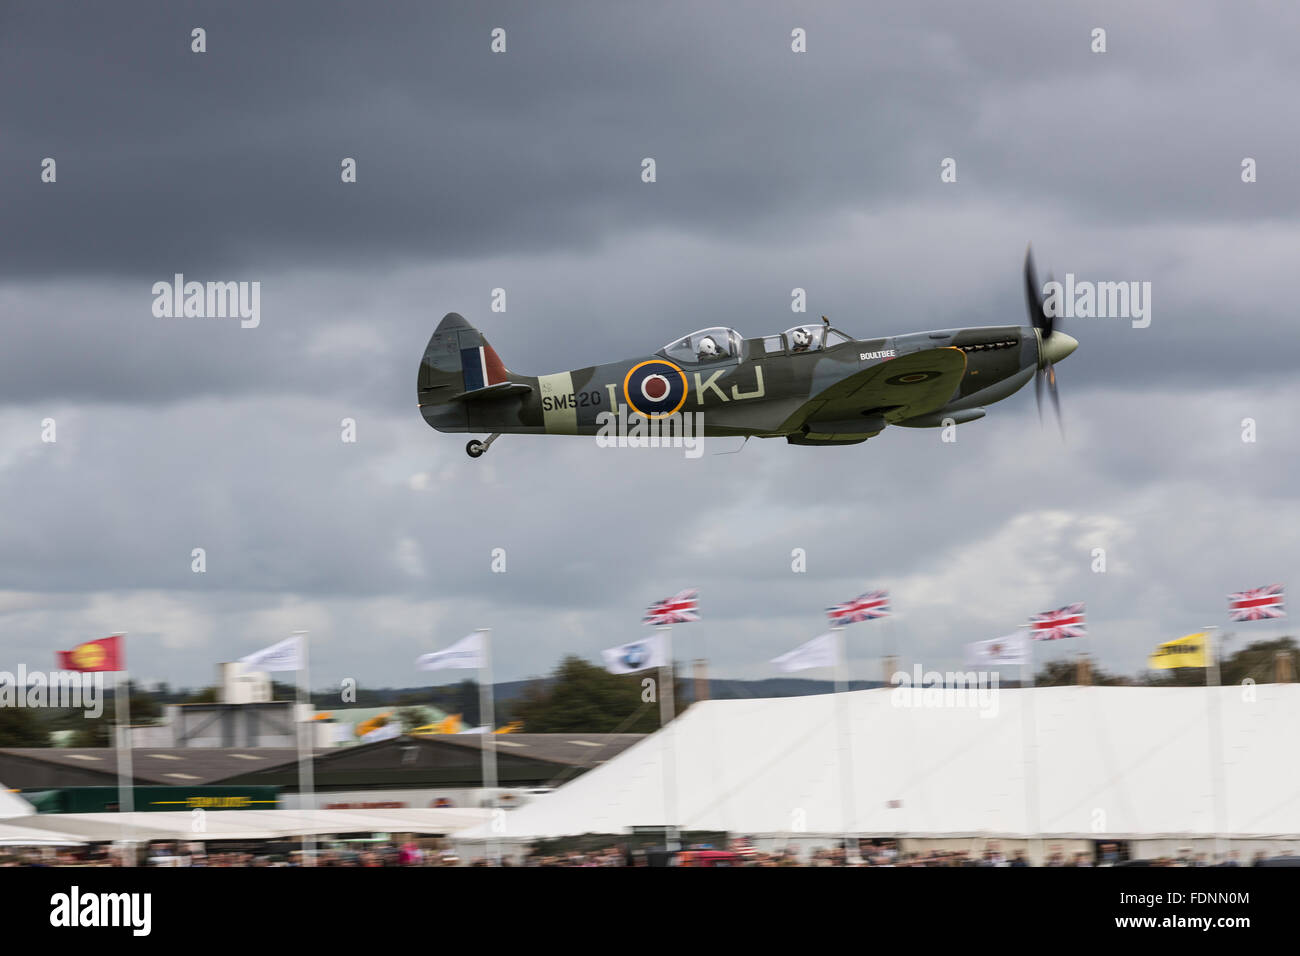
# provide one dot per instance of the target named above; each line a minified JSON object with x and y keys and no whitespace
{"x":14,"y":812}
{"x":233,"y":824}
{"x":12,"y":805}
{"x":1062,"y":762}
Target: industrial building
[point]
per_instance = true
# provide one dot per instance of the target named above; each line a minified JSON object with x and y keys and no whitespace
{"x":429,"y":771}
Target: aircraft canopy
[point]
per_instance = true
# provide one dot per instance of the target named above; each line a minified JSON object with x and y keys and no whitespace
{"x":706,"y":345}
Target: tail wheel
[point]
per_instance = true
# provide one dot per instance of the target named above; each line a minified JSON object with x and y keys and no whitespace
{"x":475,"y":448}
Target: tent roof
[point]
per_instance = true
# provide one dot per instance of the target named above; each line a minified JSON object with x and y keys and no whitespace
{"x":12,"y":805}
{"x":25,"y":836}
{"x":575,"y":750}
{"x":1120,"y":761}
{"x":242,"y":824}
{"x":193,"y":766}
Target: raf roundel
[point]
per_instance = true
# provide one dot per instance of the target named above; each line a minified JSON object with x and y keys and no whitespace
{"x":655,"y":389}
{"x":911,"y":378}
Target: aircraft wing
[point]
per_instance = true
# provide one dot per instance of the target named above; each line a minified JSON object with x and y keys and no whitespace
{"x":857,"y":407}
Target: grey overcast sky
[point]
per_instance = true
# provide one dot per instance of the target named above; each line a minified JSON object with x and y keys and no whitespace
{"x":521,"y":170}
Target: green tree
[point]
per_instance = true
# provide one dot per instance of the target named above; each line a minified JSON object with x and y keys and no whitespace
{"x":461,"y":698}
{"x":1065,"y":673}
{"x":98,"y":731}
{"x":208,"y":695}
{"x":1257,"y":661}
{"x":21,"y":727}
{"x":583,"y":698}
{"x":412,"y":717}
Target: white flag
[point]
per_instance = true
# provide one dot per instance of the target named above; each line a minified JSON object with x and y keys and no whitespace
{"x":465,"y":654}
{"x":1012,"y":649}
{"x":650,"y":651}
{"x":819,"y":652}
{"x":285,"y":656}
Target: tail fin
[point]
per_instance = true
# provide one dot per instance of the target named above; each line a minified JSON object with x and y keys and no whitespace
{"x":458,"y":360}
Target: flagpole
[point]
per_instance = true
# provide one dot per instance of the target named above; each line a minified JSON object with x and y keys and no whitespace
{"x":846,"y":739}
{"x":667,"y":711}
{"x":1214,"y":724}
{"x":1029,"y":744}
{"x":306,"y":772}
{"x":719,"y":765}
{"x":125,"y":774}
{"x":487,"y":714}
{"x":887,"y":647}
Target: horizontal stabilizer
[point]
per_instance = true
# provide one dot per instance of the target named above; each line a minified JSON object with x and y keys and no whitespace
{"x":500,"y":390}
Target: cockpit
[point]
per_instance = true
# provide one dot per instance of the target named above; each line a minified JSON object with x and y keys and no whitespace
{"x":706,"y":345}
{"x":810,"y":338}
{"x":725,"y":345}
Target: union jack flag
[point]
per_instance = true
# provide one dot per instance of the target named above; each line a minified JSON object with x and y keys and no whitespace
{"x":1256,"y":604}
{"x":678,"y":609}
{"x":1063,"y":622}
{"x":864,"y":607}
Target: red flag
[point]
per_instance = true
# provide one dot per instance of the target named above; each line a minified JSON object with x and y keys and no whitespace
{"x":105,"y":654}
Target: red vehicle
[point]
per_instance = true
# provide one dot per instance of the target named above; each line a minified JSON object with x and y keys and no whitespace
{"x":708,"y":858}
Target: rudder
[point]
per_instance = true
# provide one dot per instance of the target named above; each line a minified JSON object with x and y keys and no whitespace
{"x":458,"y":359}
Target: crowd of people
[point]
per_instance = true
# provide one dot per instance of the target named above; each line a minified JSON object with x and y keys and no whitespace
{"x":885,"y":853}
{"x":741,"y":852}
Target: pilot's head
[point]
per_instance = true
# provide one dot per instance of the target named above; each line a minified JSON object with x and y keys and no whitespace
{"x":708,"y":348}
{"x":800,"y":338}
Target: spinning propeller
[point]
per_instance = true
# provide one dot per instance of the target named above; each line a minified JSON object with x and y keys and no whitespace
{"x":1054,"y":346}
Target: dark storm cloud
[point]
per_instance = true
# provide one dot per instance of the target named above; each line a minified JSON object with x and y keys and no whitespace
{"x":230,"y":159}
{"x":522,"y":171}
{"x":488,"y":167}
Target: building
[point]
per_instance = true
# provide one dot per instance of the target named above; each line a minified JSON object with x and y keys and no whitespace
{"x":244,"y":715}
{"x":53,"y":768}
{"x":440,"y":770}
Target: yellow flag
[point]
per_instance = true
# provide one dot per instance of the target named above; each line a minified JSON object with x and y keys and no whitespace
{"x":1189,"y":651}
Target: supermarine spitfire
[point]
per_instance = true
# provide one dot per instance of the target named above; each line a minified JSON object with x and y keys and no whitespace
{"x":811,"y":385}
